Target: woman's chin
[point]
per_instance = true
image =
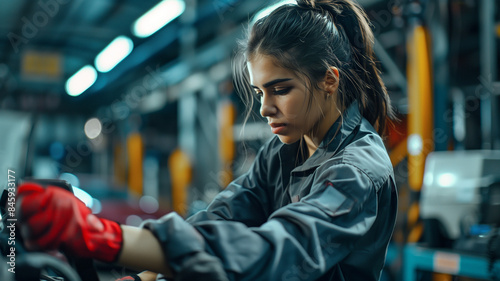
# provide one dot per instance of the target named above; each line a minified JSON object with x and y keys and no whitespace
{"x":287,"y":139}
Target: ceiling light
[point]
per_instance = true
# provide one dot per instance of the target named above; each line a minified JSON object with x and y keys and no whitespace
{"x":114,"y":53}
{"x":159,"y":16}
{"x":81,"y":81}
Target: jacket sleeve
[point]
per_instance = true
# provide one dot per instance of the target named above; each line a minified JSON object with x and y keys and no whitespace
{"x":246,"y":199}
{"x":302,"y":239}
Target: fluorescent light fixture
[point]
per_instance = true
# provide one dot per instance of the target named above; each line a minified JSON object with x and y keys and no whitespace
{"x":266,"y":11}
{"x":81,"y":81}
{"x":159,"y":16}
{"x":114,"y":53}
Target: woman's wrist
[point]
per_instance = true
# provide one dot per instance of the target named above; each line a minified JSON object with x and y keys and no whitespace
{"x":142,"y":251}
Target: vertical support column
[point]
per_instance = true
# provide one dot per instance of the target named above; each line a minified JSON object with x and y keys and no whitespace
{"x":135,"y":160}
{"x":151,"y":176}
{"x":409,"y":270}
{"x":227,"y":116}
{"x":180,"y":161}
{"x":119,"y":164}
{"x":181,"y":174}
{"x":488,"y":59}
{"x":420,"y":104}
{"x":420,"y":113}
{"x":188,"y":110}
{"x":208,"y":162}
{"x":440,"y":57}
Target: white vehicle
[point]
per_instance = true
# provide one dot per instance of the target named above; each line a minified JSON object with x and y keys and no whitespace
{"x":460,"y":189}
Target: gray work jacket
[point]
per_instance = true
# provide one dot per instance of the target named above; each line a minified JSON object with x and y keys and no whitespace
{"x":328,"y":218}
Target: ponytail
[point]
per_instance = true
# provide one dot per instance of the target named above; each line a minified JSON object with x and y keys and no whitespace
{"x":376,"y":101}
{"x":302,"y":38}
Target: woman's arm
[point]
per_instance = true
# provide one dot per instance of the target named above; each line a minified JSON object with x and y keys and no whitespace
{"x":142,"y":251}
{"x":54,"y":219}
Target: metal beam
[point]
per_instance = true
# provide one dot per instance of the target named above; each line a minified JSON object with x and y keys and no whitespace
{"x":390,"y":65}
{"x":488,"y":74}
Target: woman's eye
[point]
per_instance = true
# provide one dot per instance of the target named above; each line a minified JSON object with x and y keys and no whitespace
{"x":258,"y":94}
{"x":281,"y":91}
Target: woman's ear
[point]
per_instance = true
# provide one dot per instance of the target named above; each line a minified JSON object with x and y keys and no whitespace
{"x":331,"y":80}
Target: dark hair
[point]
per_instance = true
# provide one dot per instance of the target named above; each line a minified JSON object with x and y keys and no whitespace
{"x":309,"y":38}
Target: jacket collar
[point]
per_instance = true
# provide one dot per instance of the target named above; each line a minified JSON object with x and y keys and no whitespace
{"x":335,"y":139}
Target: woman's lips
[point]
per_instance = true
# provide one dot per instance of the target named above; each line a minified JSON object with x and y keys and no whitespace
{"x":277,"y":128}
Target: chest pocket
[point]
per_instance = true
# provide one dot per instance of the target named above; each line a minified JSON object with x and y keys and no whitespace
{"x":332,"y":201}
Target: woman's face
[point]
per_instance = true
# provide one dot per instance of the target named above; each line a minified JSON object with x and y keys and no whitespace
{"x":284,"y":101}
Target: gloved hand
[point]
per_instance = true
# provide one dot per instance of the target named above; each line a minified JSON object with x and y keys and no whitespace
{"x":53,"y":218}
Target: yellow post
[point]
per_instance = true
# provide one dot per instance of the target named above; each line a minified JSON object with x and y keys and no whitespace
{"x":181,"y":175}
{"x":420,"y":122}
{"x":226,"y":142}
{"x":420,"y":105}
{"x":135,"y":150}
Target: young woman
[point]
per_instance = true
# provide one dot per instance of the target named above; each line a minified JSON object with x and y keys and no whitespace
{"x":319,"y":203}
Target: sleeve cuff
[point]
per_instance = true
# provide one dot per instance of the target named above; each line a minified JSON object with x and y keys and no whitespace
{"x":178,"y":238}
{"x":184,"y":249}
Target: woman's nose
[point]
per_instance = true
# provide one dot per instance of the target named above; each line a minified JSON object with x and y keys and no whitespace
{"x":267,"y":106}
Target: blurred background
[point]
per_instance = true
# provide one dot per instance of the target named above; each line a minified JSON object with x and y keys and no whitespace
{"x":132,"y":102}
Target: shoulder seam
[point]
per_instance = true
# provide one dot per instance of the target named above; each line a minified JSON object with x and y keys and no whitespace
{"x":386,"y":174}
{"x":363,"y":172}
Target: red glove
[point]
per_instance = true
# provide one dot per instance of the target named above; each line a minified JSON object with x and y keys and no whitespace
{"x":53,"y":218}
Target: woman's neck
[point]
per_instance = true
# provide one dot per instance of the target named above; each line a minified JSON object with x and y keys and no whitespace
{"x":311,"y":145}
{"x":315,"y":137}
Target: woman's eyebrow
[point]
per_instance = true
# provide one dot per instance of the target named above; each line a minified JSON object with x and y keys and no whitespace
{"x":275,"y":81}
